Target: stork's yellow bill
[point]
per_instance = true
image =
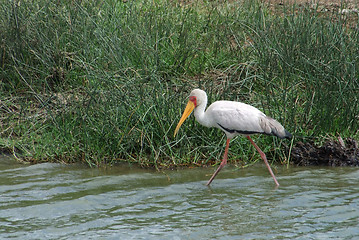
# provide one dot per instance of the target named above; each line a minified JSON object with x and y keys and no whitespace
{"x":189,"y":108}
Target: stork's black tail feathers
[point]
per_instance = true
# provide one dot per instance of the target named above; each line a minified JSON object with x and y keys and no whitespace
{"x":288,"y":135}
{"x":271,"y":126}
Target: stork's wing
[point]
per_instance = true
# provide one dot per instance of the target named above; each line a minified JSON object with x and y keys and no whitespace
{"x":236,"y":117}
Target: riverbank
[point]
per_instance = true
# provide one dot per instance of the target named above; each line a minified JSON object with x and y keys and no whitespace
{"x":105,"y":82}
{"x":339,"y":153}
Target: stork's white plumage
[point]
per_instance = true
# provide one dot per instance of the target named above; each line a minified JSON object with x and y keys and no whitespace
{"x":234,"y":118}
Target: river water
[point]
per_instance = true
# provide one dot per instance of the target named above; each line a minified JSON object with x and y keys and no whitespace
{"x":54,"y":201}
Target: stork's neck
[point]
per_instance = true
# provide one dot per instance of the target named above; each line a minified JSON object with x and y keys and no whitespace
{"x":200,"y":114}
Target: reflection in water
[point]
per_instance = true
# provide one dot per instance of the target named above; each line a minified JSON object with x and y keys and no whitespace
{"x":52,"y":201}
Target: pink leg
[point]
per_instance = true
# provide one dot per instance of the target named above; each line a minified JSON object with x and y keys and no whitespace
{"x":224,"y":162}
{"x":263,"y":156}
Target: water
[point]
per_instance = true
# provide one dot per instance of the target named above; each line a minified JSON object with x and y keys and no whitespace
{"x":53,"y":201}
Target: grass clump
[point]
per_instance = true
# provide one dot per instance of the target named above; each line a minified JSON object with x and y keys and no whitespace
{"x":106,"y":81}
{"x":316,"y":62}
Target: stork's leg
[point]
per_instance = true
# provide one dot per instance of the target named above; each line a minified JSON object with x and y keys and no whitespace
{"x":263,"y":156}
{"x":224,"y":162}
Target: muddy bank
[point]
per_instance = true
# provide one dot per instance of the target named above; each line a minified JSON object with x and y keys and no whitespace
{"x":334,"y":153}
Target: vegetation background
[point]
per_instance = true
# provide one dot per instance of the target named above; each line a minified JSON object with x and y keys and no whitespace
{"x":106,"y":81}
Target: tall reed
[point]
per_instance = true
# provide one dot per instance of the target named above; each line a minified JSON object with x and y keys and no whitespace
{"x":309,"y":67}
{"x":106,"y":81}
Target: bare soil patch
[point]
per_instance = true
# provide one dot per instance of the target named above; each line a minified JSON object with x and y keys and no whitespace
{"x":347,"y":9}
{"x":321,"y":4}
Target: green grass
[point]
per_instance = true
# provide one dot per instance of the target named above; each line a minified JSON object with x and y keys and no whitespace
{"x":315,"y":61}
{"x":106,"y":81}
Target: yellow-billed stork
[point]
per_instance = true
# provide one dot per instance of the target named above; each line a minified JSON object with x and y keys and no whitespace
{"x":233,"y":118}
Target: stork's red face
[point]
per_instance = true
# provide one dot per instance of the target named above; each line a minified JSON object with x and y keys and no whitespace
{"x":191,"y":105}
{"x":194,"y":100}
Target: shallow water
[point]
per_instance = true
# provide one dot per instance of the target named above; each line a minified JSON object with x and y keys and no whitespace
{"x":53,"y":201}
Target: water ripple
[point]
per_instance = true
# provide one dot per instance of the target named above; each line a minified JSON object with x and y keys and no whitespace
{"x":51,"y":201}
